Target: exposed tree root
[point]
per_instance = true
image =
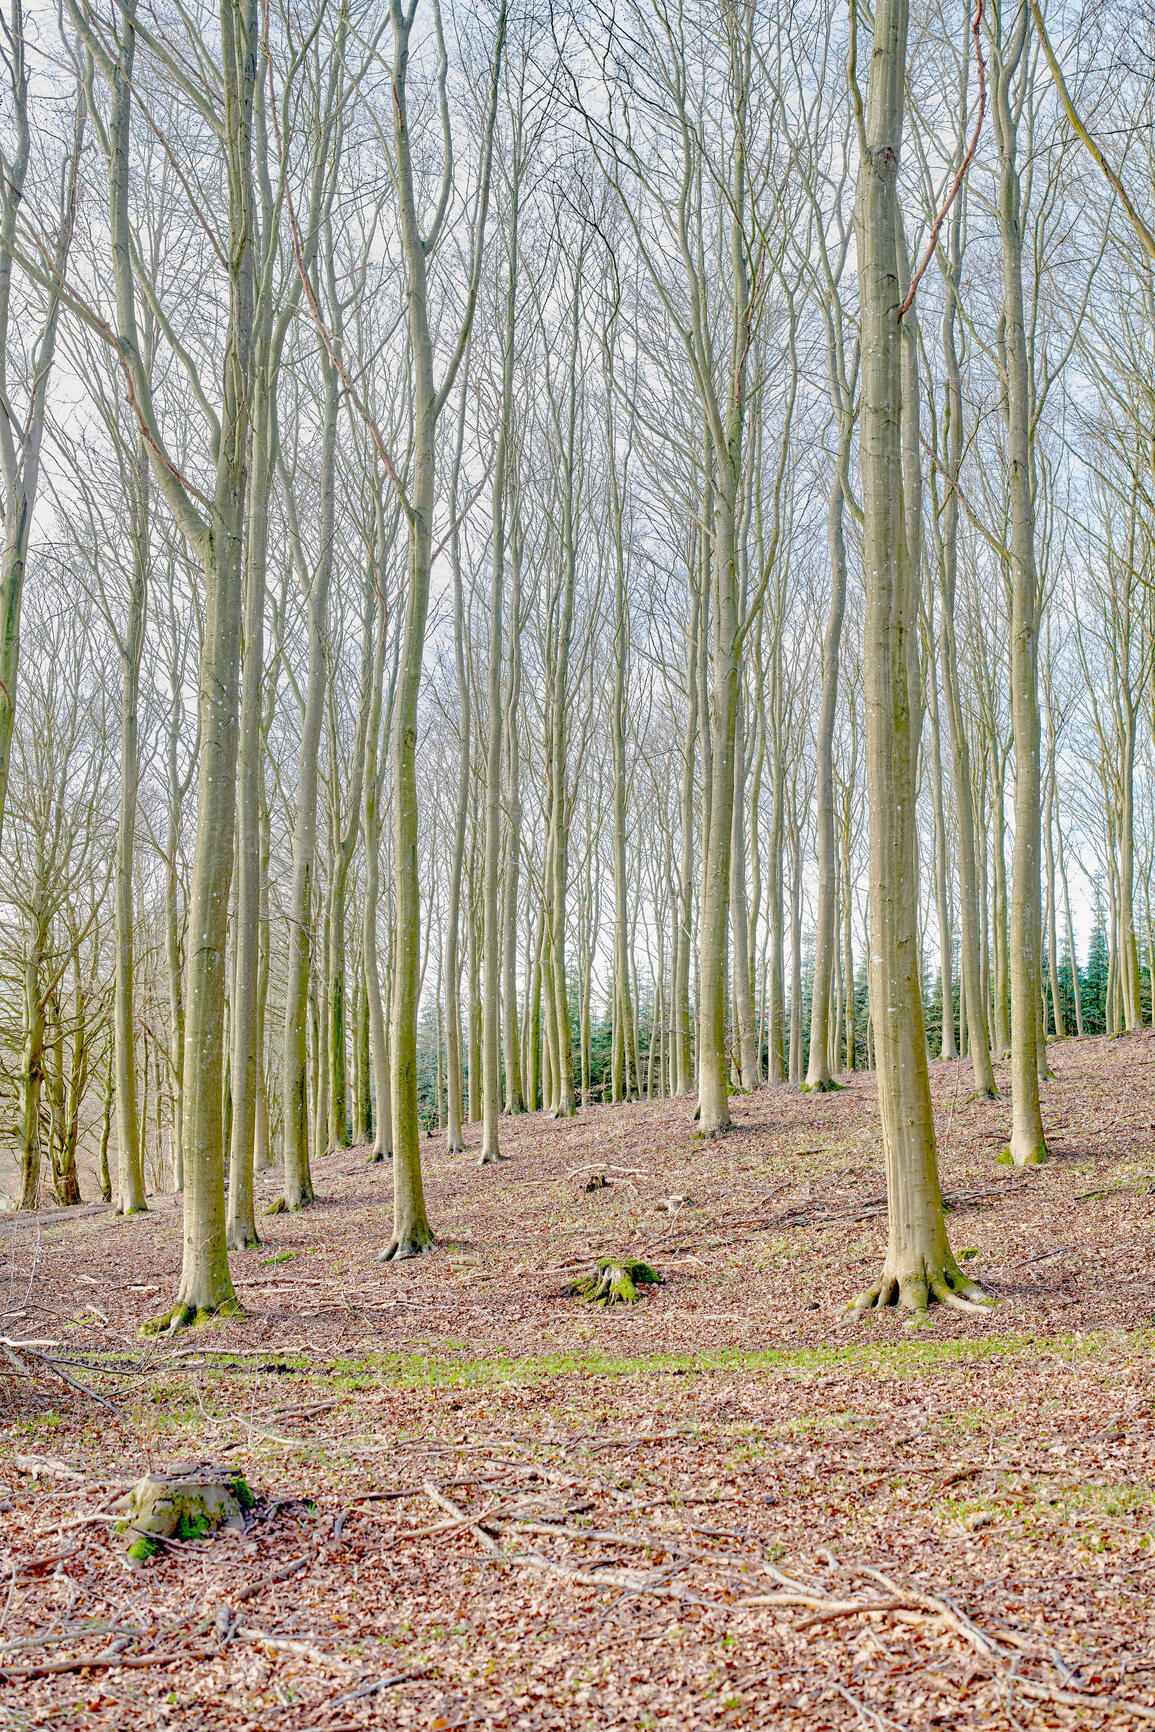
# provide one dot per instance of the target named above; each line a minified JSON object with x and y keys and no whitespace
{"x":917,"y":1288}
{"x":615,"y":1282}
{"x":408,"y":1244}
{"x":282,"y":1206}
{"x":377,"y":1156}
{"x":828,"y":1087}
{"x":490,"y":1158}
{"x":244,"y":1239}
{"x":184,"y":1316}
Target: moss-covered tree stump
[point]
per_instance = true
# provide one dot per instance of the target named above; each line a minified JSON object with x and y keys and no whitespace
{"x":187,"y":1504}
{"x":615,"y":1281}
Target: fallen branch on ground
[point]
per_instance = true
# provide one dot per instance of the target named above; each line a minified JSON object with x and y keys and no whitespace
{"x":911,"y":1605}
{"x":106,"y":1661}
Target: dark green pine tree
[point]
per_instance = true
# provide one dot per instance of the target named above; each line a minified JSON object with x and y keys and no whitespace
{"x":1094,"y":981}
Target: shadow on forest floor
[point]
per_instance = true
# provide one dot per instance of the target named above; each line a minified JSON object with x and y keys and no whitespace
{"x":484,"y":1504}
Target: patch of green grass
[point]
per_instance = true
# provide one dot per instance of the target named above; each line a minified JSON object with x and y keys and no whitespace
{"x":278,"y":1257}
{"x":436,"y":1369}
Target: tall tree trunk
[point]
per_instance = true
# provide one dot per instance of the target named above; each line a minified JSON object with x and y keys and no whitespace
{"x":1075,"y":984}
{"x":205,"y":1285}
{"x":374,"y":781}
{"x":129,"y":1174}
{"x":491,"y":945}
{"x":511,"y":1032}
{"x":683,"y":1017}
{"x":970,"y":957}
{"x":32,"y":1053}
{"x":298,"y":1178}
{"x":942,"y":873}
{"x":247,"y":1051}
{"x":411,"y":1230}
{"x":1028,"y":1142}
{"x":918,"y":1264}
{"x":345,"y":842}
{"x":22,"y":434}
{"x":749,"y":1066}
{"x":826,"y":900}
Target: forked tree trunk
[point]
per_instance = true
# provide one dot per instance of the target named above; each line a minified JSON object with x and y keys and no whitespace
{"x":411,"y":1230}
{"x":205,"y":1285}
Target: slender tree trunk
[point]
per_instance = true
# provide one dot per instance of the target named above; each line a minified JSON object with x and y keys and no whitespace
{"x":918,"y":1264}
{"x":378,"y":1041}
{"x":298,"y":1187}
{"x":510,"y":1029}
{"x":411,"y":1230}
{"x":104,"y":1177}
{"x":345,"y":842}
{"x":796,"y":1070}
{"x":683,"y":1016}
{"x":713,"y":1053}
{"x":1001,"y":968}
{"x":247,"y":1051}
{"x":1075,"y":986}
{"x":825,"y":924}
{"x":749,"y":1067}
{"x":942,"y":874}
{"x":32,"y":1054}
{"x":21,"y":436}
{"x":205,"y":1285}
{"x":970,"y":955}
{"x":491,"y":944}
{"x":1028,"y":1142}
{"x":129,"y":1174}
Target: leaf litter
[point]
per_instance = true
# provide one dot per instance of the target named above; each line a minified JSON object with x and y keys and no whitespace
{"x":483,"y":1504}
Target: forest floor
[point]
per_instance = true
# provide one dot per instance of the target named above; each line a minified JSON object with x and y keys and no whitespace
{"x":483,"y":1504}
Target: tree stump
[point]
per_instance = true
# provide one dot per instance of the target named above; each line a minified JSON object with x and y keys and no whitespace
{"x":615,"y":1281}
{"x":187,"y":1504}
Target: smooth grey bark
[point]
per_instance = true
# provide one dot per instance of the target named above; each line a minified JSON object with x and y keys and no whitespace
{"x":1028,"y":1144}
{"x":453,"y":1057}
{"x":411,"y":1230}
{"x":130,"y":1194}
{"x":919,"y":1264}
{"x":494,"y":752}
{"x":970,"y":957}
{"x":511,"y":1030}
{"x":684,"y":935}
{"x":380,"y":727}
{"x":22,"y":432}
{"x":298,"y":1187}
{"x":215,"y":539}
{"x":344,"y":842}
{"x":818,"y":1071}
